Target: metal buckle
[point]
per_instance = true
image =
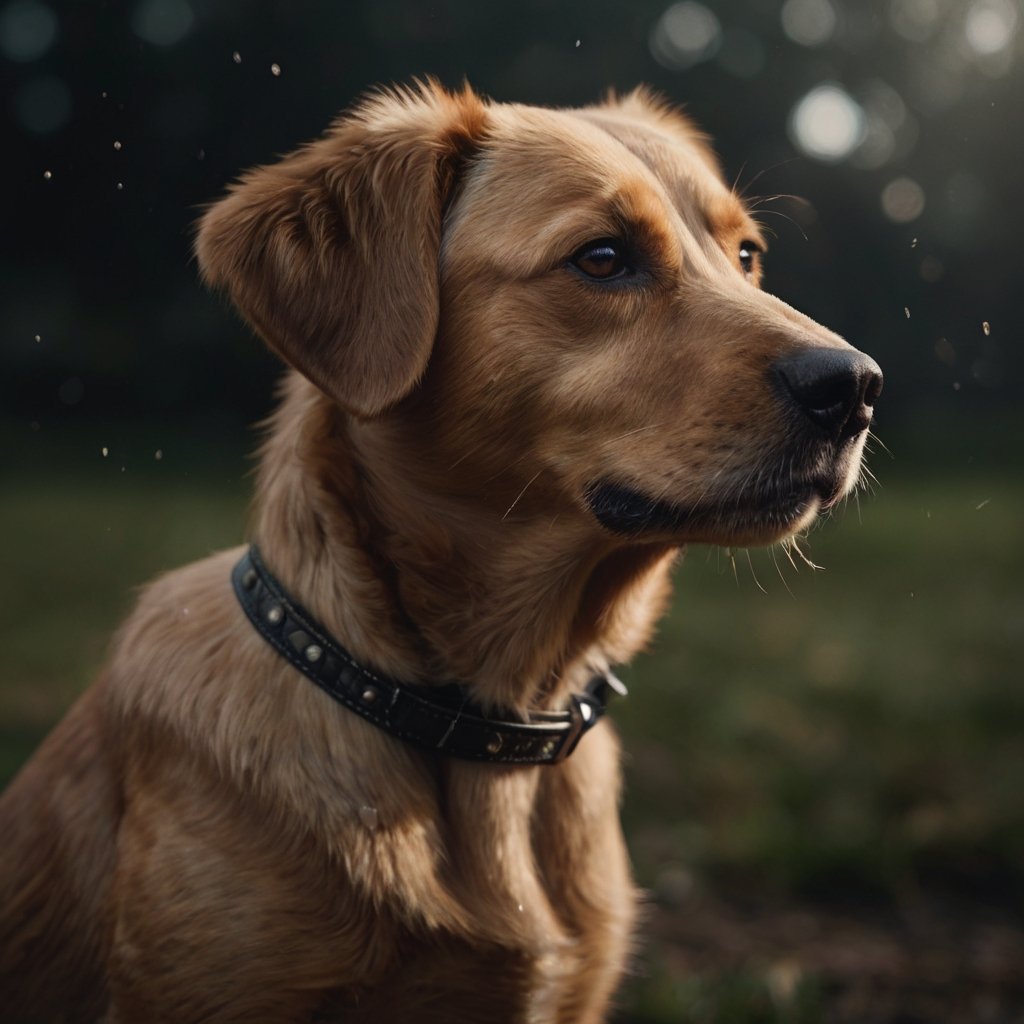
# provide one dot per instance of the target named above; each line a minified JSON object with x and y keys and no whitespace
{"x":583,"y":713}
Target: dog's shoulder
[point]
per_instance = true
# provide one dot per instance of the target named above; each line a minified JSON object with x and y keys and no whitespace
{"x":180,"y":662}
{"x":186,"y":628}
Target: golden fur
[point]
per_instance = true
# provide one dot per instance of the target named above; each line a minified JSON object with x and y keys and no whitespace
{"x":207,"y":836}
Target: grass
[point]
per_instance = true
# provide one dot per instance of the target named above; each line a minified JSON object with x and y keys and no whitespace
{"x":843,"y":738}
{"x":862,"y":719}
{"x":79,"y":540}
{"x":843,"y":743}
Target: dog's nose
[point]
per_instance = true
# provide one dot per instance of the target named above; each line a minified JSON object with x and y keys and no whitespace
{"x":835,"y":388}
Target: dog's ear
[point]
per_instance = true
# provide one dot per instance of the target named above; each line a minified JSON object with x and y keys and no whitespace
{"x":332,"y":254}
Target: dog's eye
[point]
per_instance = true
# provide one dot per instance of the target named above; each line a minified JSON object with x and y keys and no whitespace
{"x":748,"y":254}
{"x":601,"y":260}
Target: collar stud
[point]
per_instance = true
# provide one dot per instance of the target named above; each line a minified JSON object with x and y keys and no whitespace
{"x":436,"y":718}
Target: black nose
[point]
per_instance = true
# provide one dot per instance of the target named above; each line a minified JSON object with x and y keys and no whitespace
{"x":834,"y":388}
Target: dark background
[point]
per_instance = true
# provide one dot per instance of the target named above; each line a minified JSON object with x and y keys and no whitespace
{"x":825,"y":769}
{"x":96,"y":259}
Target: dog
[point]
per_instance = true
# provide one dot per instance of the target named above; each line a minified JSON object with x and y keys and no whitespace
{"x":361,"y":773}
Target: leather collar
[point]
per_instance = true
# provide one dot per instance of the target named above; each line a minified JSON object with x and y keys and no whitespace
{"x":440,"y":718}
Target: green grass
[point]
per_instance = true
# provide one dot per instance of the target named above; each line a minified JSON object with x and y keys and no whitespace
{"x":75,"y":550}
{"x":863,"y":719}
{"x":853,"y":732}
{"x":773,"y":996}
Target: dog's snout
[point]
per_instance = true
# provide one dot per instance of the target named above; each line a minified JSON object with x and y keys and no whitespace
{"x":834,"y":388}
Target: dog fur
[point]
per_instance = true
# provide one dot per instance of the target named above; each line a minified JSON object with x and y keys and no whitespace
{"x":207,"y":836}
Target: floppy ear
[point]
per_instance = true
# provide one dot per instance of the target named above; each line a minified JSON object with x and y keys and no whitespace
{"x":331,"y":255}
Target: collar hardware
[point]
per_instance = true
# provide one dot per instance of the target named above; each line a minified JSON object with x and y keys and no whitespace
{"x":439,"y":718}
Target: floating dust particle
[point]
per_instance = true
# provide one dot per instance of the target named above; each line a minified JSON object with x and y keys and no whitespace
{"x":47,"y":175}
{"x":986,"y":327}
{"x":117,"y":145}
{"x":236,"y":57}
{"x":275,"y":70}
{"x":913,"y":243}
{"x":105,"y":452}
{"x":120,"y":186}
{"x":578,"y":41}
{"x":39,"y":338}
{"x":982,"y":505}
{"x":158,"y":454}
{"x":906,"y":312}
{"x":956,"y":385}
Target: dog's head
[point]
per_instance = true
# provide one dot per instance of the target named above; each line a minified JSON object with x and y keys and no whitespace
{"x":552,"y":312}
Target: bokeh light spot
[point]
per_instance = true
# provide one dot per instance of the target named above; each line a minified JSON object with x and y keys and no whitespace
{"x":162,"y":22}
{"x":915,"y":20}
{"x":809,"y":22}
{"x":27,"y":30}
{"x":888,"y":129}
{"x":827,"y":124}
{"x":990,"y":26}
{"x":686,"y":34}
{"x":903,"y":200}
{"x":877,"y":145}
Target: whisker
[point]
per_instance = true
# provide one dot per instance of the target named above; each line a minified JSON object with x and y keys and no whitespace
{"x":750,"y":563}
{"x":786,"y":216}
{"x":874,"y":437}
{"x":778,"y":568}
{"x":736,"y":180}
{"x":803,"y":557}
{"x":760,"y":174}
{"x":786,"y":547}
{"x":867,"y":474}
{"x":521,"y":493}
{"x":799,"y":200}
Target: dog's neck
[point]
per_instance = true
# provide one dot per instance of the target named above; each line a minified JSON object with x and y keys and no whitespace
{"x":422,"y":589}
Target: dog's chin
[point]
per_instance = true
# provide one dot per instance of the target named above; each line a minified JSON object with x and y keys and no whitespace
{"x":753,"y":520}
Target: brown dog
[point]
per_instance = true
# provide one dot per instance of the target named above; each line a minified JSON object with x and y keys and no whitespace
{"x":532,"y":361}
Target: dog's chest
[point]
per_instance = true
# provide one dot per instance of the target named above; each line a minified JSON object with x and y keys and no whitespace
{"x":536,"y":870}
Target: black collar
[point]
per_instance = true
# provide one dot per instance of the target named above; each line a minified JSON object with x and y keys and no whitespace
{"x":440,"y":718}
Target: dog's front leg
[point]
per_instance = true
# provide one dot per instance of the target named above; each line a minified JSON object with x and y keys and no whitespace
{"x":586,"y":868}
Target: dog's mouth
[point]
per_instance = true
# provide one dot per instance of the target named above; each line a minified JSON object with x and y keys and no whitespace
{"x":758,"y":517}
{"x":744,"y":508}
